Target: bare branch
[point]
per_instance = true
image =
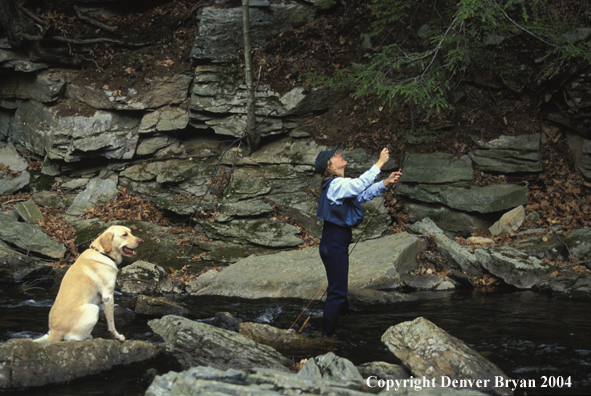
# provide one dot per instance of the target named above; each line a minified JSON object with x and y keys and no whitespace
{"x":84,"y":41}
{"x":93,"y":22}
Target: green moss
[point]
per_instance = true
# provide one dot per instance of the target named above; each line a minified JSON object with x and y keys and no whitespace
{"x":39,"y":181}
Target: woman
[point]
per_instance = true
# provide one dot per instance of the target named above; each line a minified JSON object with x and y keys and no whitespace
{"x":340,"y":208}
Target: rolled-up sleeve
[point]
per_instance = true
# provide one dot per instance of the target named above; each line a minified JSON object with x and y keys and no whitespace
{"x":362,"y":187}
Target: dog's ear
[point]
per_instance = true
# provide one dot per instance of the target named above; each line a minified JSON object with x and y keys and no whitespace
{"x":106,"y":241}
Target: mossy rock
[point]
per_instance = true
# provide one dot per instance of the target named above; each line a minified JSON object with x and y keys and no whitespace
{"x":39,"y":181}
{"x":160,"y":247}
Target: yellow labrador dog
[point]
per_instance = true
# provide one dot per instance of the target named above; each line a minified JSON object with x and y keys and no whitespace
{"x":90,"y":280}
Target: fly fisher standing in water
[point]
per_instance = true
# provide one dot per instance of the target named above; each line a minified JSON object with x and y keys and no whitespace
{"x":340,"y":208}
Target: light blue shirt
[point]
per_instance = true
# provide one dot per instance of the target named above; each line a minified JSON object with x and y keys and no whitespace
{"x":362,"y":187}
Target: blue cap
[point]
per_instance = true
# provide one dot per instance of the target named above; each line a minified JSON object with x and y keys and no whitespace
{"x":322,"y":159}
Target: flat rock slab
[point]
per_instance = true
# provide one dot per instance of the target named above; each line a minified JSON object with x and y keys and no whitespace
{"x":24,"y":363}
{"x":30,"y":238}
{"x":374,"y":264}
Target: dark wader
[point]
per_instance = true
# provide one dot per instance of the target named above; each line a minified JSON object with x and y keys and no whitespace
{"x":334,"y":247}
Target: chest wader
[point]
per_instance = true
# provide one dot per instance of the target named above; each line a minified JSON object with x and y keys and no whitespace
{"x":334,"y":247}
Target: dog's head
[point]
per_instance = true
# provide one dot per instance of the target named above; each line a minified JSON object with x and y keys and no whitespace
{"x":116,"y":242}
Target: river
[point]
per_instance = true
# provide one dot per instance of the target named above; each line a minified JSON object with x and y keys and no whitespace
{"x":534,"y":337}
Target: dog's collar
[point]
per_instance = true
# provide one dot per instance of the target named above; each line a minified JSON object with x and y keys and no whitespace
{"x":104,"y":254}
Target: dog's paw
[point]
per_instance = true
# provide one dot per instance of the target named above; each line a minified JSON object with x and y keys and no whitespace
{"x":119,"y":337}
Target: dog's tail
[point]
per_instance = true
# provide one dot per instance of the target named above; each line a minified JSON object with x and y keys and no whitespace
{"x":50,"y":336}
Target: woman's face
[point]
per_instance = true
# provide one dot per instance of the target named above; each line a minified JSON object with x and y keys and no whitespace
{"x":337,"y":163}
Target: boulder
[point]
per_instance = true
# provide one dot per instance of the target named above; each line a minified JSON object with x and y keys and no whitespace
{"x":374,"y":264}
{"x":200,"y":344}
{"x":29,"y":238}
{"x":514,"y":267}
{"x":142,"y":277}
{"x":429,"y":351}
{"x":25,"y":364}
{"x":261,"y":232}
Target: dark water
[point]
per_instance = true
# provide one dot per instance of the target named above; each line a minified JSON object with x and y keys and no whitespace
{"x":529,"y":336}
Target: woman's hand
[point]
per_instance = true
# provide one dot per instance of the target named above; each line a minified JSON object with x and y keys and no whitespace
{"x":393,"y":178}
{"x":384,"y":157}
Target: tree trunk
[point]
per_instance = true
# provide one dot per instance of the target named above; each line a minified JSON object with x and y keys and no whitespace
{"x":253,"y":137}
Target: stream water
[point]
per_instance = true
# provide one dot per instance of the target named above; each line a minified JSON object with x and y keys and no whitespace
{"x":528,"y":335}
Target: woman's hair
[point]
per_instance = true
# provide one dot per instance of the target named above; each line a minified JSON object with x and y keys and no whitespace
{"x":328,"y":173}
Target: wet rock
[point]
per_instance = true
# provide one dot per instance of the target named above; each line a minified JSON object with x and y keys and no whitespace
{"x":258,"y":381}
{"x":509,"y":154}
{"x":284,"y":341}
{"x":24,"y":363}
{"x":330,"y":366}
{"x":226,"y":321}
{"x":573,"y":287}
{"x":143,"y":277}
{"x":467,"y":261}
{"x":199,"y":344}
{"x":428,"y":282}
{"x":429,"y":351}
{"x":374,"y":264}
{"x":97,"y":192}
{"x":156,"y":306}
{"x":509,"y":222}
{"x":29,"y":238}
